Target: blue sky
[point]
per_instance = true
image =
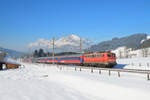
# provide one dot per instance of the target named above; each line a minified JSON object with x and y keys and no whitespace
{"x":25,"y":21}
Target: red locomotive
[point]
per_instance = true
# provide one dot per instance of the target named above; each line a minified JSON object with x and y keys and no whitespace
{"x":105,"y":59}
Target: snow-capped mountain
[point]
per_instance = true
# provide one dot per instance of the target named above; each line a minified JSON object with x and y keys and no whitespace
{"x":147,"y":38}
{"x":132,"y":41}
{"x":63,"y":44}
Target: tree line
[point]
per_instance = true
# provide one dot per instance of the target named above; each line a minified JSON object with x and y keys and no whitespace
{"x":41,"y":53}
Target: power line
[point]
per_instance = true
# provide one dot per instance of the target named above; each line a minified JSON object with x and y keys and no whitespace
{"x":53,"y":51}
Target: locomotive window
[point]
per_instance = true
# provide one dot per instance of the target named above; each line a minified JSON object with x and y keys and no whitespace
{"x":89,"y":56}
{"x":113,"y":55}
{"x":100,"y":55}
{"x":109,"y":55}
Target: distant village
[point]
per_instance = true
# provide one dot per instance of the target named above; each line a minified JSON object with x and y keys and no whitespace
{"x":124,"y":52}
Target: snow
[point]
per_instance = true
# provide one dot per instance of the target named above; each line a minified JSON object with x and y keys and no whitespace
{"x":48,"y":82}
{"x":134,"y":63}
{"x":147,"y":38}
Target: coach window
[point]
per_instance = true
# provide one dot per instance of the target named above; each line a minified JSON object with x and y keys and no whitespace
{"x":101,"y":55}
{"x":93,"y":56}
{"x":98,"y":55}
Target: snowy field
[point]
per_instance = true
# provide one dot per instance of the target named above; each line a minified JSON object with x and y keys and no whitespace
{"x":47,"y":82}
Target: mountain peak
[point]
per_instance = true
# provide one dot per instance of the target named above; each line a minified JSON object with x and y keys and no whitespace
{"x":66,"y":43}
{"x":73,"y":36}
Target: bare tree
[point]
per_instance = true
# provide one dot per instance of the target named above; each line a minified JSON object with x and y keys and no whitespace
{"x":120,"y":54}
{"x":144,"y":52}
{"x":126,"y":53}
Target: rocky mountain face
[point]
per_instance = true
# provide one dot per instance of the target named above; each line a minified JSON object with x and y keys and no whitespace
{"x":11,"y":53}
{"x":70,"y":43}
{"x":133,"y":41}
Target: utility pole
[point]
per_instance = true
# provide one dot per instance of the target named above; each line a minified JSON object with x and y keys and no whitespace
{"x":53,"y":53}
{"x":80,"y":45}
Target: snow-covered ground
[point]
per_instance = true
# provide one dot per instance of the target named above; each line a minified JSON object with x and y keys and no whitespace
{"x":47,"y":82}
{"x":134,"y":63}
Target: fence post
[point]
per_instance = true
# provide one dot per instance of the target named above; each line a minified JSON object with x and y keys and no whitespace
{"x":109,"y":73}
{"x":147,"y":64}
{"x":75,"y":69}
{"x":147,"y":76}
{"x":99,"y":71}
{"x":118,"y":74}
{"x":80,"y":68}
{"x":60,"y":68}
{"x":140,"y":64}
{"x":132,"y":64}
{"x":91,"y":70}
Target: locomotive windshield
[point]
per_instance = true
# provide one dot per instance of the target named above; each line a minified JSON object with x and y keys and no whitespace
{"x":111,"y":55}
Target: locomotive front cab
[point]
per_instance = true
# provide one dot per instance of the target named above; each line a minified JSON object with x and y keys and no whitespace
{"x":110,"y":59}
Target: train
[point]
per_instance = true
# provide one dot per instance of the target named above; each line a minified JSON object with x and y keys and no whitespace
{"x":97,"y":59}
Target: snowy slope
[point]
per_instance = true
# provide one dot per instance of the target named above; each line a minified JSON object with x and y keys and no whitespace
{"x":67,"y":43}
{"x":47,"y":82}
